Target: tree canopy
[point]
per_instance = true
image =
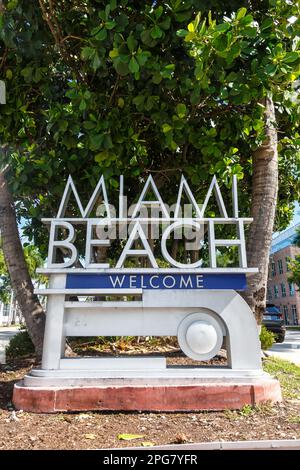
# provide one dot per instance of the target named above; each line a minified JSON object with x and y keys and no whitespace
{"x":125,"y":87}
{"x":33,"y":260}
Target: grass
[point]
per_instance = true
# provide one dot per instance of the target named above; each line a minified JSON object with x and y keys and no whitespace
{"x":247,"y":410}
{"x":295,"y":419}
{"x":287,"y":373}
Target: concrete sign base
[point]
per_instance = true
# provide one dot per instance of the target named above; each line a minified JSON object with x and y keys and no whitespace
{"x":149,"y":395}
{"x":203,"y":320}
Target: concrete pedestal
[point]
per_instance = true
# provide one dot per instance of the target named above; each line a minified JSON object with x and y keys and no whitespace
{"x":173,"y":392}
{"x":202,"y":320}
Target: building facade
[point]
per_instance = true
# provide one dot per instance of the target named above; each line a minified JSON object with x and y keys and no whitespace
{"x":281,"y":291}
{"x":9,"y":313}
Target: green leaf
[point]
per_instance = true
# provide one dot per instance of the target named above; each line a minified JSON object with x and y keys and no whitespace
{"x":101,"y":156}
{"x":156,"y":32}
{"x":220,"y":43}
{"x":121,"y":103}
{"x":166,"y":128}
{"x":63,"y":125}
{"x":142,"y":57}
{"x":87,"y":95}
{"x":82,"y":105}
{"x":87,"y":53}
{"x":27,"y":73}
{"x":101,"y":35}
{"x":290,"y":57}
{"x":246,"y":20}
{"x":89,"y":125}
{"x":107,"y":11}
{"x":114,"y":183}
{"x":131,"y":43}
{"x":108,"y":142}
{"x":167,"y":71}
{"x":150,"y":102}
{"x":157,"y":78}
{"x":147,"y":38}
{"x":129,"y":437}
{"x":181,"y":110}
{"x":241,"y":13}
{"x":110,"y":24}
{"x":158,"y":12}
{"x":266,"y":24}
{"x":96,"y":141}
{"x":121,"y":67}
{"x":165,"y":24}
{"x":113,"y":4}
{"x":181,"y":33}
{"x":133,"y":65}
{"x":96,"y":62}
{"x":114,"y":53}
{"x":138,"y":101}
{"x":231,"y":77}
{"x":271,"y":69}
{"x":249,"y":32}
{"x":221,"y":28}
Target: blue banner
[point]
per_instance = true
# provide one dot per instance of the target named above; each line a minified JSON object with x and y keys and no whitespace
{"x":164,"y":281}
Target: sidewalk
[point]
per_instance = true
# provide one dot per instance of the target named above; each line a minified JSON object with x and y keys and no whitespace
{"x":224,"y":445}
{"x":289,"y":349}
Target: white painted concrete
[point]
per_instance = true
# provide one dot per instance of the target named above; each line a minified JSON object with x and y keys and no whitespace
{"x":172,"y":375}
{"x":159,"y":313}
{"x":113,"y":363}
{"x":201,"y":346}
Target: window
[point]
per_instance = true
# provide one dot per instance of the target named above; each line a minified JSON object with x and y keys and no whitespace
{"x":273,"y":269}
{"x":283,"y":291}
{"x":287,"y":262}
{"x":286,"y":314}
{"x":280,"y":267}
{"x":291,"y":288}
{"x":269,"y":294}
{"x":294,"y":315}
{"x":6,"y":310}
{"x":276,"y":294}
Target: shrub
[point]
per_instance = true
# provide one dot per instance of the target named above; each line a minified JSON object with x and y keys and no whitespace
{"x":20,"y":345}
{"x":267,"y":338}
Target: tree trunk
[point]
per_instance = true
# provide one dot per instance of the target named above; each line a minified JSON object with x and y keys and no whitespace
{"x":20,"y":279}
{"x":263,"y":206}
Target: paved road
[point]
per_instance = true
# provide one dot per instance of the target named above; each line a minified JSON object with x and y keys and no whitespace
{"x":6,"y":333}
{"x":289,"y":349}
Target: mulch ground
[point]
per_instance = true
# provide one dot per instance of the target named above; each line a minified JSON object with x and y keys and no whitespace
{"x":20,"y":430}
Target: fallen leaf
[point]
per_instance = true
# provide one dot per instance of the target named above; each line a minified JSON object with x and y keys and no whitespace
{"x":180,"y":439}
{"x":90,"y":436}
{"x":129,"y":437}
{"x":147,"y":444}
{"x":67,"y":419}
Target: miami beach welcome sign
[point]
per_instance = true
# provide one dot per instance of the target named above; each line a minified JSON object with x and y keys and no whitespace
{"x":148,"y":222}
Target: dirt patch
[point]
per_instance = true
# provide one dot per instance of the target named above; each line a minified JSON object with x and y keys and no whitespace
{"x":20,"y":430}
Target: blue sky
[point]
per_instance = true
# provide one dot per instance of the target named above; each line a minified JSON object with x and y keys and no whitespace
{"x":296,"y":218}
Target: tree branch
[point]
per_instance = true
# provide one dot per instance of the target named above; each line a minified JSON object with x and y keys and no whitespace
{"x":51,"y":20}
